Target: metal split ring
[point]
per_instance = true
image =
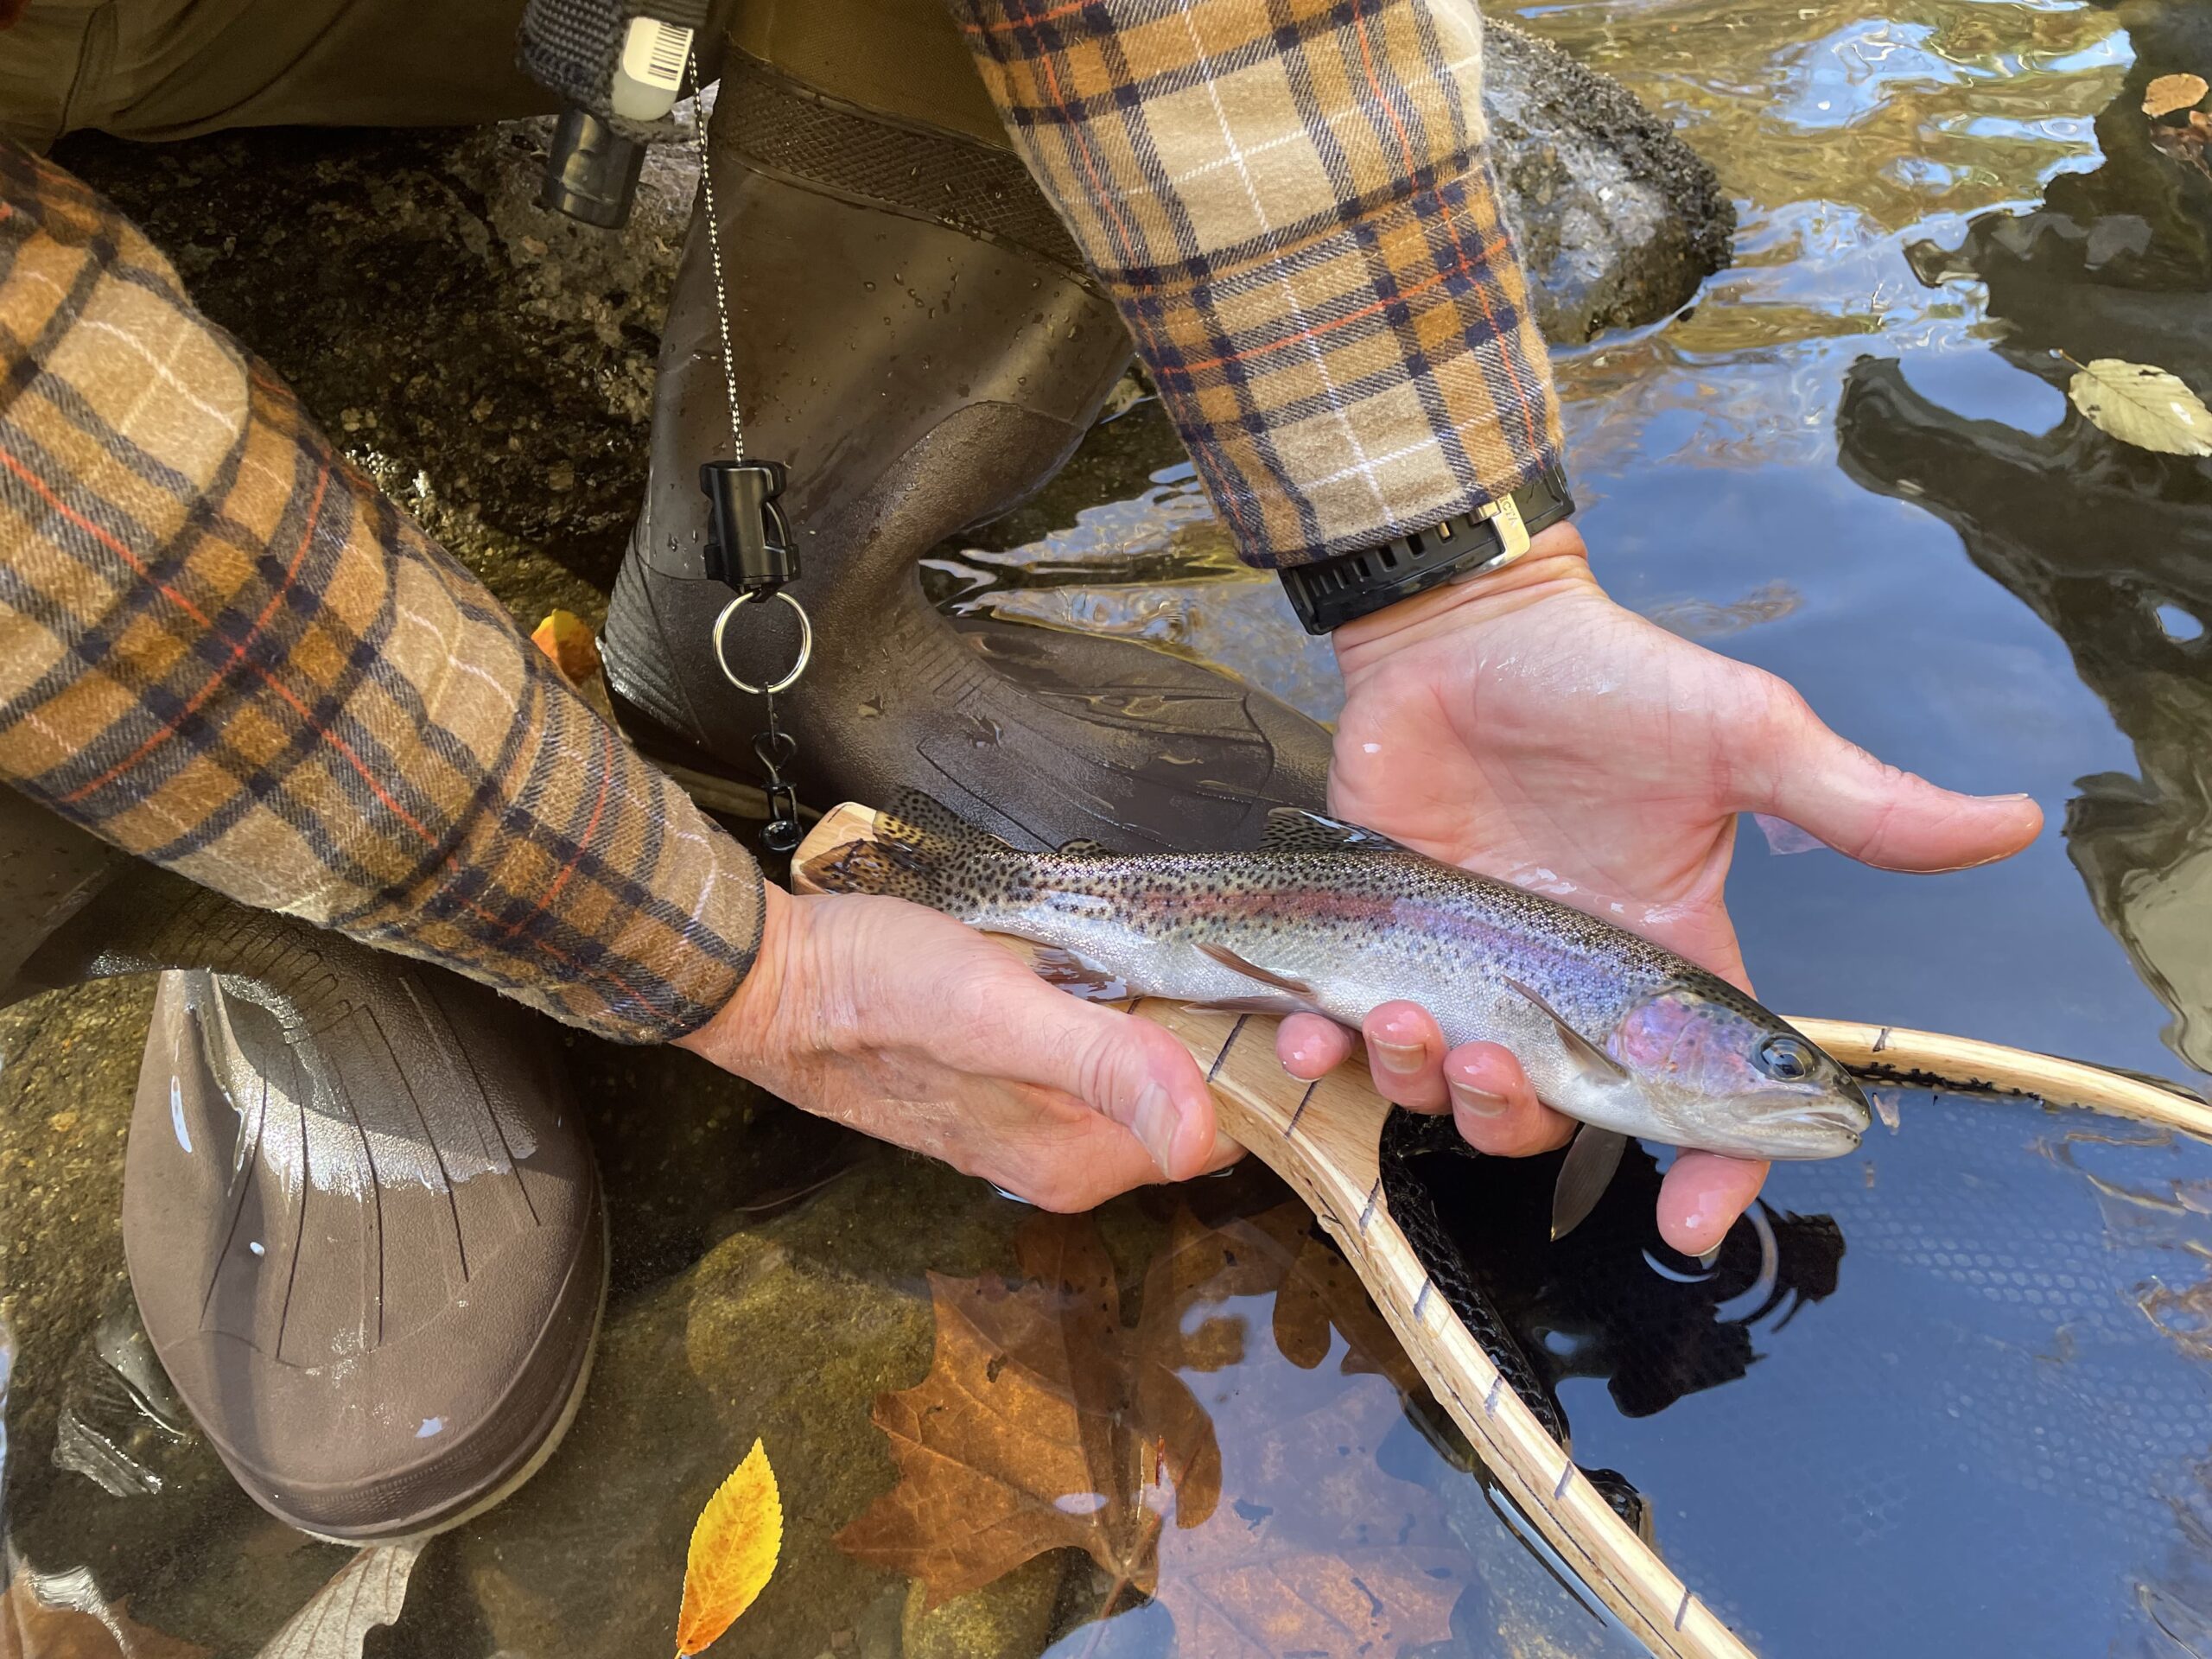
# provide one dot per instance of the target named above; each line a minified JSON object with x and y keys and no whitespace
{"x":805,"y":646}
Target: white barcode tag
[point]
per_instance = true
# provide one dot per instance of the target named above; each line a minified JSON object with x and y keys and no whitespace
{"x":651,"y":74}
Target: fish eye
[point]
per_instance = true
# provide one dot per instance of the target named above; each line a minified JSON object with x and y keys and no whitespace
{"x":1786,"y":1059}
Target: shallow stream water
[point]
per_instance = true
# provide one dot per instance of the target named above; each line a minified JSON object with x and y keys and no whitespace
{"x":1951,"y":1395}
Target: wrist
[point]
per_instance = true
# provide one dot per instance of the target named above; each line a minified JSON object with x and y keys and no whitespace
{"x":742,"y":1034}
{"x":1556,"y":563}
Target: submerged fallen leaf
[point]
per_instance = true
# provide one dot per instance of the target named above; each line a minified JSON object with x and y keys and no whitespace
{"x":2142,"y":406}
{"x":79,"y":1626}
{"x":1705,"y":618}
{"x":2170,"y":92}
{"x":733,"y":1548}
{"x":1029,"y":1432}
{"x":1207,"y":1457}
{"x":367,"y":1592}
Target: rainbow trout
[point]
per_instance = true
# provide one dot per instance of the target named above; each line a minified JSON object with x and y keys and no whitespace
{"x":1328,"y":917}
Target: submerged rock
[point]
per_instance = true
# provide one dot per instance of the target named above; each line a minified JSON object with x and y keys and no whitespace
{"x":68,"y":1072}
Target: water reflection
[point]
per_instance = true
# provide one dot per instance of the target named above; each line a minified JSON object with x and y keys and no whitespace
{"x":1990,"y":1435}
{"x":2110,"y":545}
{"x":1845,"y":138}
{"x":1611,"y":1301}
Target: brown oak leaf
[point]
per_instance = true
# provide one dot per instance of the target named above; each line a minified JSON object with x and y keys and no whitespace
{"x":1208,"y":1457}
{"x":32,"y":1629}
{"x":1026,"y":1435}
{"x":2187,"y":140}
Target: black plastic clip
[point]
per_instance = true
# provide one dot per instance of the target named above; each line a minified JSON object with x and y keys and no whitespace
{"x":783,"y":831}
{"x":749,"y":544}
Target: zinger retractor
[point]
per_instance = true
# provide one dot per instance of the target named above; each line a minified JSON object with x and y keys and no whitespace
{"x":749,"y":548}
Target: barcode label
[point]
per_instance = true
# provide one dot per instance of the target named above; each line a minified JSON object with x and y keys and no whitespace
{"x":654,"y":52}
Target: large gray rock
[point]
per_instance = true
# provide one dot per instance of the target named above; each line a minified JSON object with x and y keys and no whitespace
{"x":1617,"y":218}
{"x":491,"y":363}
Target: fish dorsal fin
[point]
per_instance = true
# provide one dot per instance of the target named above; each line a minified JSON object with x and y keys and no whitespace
{"x":1293,"y":829}
{"x":1593,"y":1060}
{"x":914,"y":819}
{"x":1585,"y":1176}
{"x":1084,"y":847}
{"x":1227,"y":958}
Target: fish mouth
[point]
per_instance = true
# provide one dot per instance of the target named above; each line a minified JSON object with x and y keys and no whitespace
{"x":1832,"y":1126}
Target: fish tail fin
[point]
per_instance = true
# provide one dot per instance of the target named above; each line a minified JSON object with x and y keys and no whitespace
{"x":925,"y":852}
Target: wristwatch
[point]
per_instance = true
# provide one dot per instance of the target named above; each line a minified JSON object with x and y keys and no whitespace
{"x":1333,"y":592}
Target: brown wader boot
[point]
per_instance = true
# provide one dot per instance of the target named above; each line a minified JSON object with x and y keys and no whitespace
{"x":359,"y":1212}
{"x":915,"y":339}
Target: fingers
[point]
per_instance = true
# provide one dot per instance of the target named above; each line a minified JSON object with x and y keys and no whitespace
{"x":1311,"y":1046}
{"x":1483,"y":1086}
{"x":1495,"y":1105}
{"x":1405,"y":1055}
{"x":1496,"y":1108}
{"x":1129,"y":1069}
{"x":1876,"y":813}
{"x":1224,"y":1152}
{"x":1702,"y":1195}
{"x":1068,"y":1159}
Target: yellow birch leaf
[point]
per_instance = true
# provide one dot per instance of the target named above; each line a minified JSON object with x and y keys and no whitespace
{"x":2142,"y":406}
{"x":733,"y":1548}
{"x":2170,"y":92}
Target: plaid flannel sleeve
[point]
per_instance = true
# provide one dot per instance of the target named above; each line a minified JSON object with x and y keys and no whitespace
{"x":1288,"y":201}
{"x":223,"y":650}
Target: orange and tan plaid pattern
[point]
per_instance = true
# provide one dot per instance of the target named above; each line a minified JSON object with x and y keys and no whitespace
{"x":1288,"y":199}
{"x":222,"y":649}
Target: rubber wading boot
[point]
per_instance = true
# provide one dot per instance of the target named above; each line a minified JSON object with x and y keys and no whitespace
{"x":915,"y":339}
{"x":359,"y":1212}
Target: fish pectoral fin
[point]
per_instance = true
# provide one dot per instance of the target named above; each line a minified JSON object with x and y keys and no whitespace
{"x":1260,"y":1002}
{"x":1585,"y":1054}
{"x":1293,"y":829}
{"x":1076,"y":974}
{"x":1227,"y":958}
{"x":1585,"y":1176}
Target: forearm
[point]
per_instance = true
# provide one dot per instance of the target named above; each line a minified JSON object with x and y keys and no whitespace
{"x":1305,"y":242}
{"x":222,"y":650}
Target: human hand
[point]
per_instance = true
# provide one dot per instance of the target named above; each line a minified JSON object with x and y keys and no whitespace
{"x":906,"y":1024}
{"x":1527,"y":727}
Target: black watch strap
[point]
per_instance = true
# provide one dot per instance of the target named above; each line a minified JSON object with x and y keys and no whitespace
{"x":1333,"y":592}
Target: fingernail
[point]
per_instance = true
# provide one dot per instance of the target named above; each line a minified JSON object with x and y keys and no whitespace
{"x":1474,"y":1102}
{"x":1155,"y":1122}
{"x":1709,"y":1257}
{"x":1401,"y":1059}
{"x":2022,"y":795}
